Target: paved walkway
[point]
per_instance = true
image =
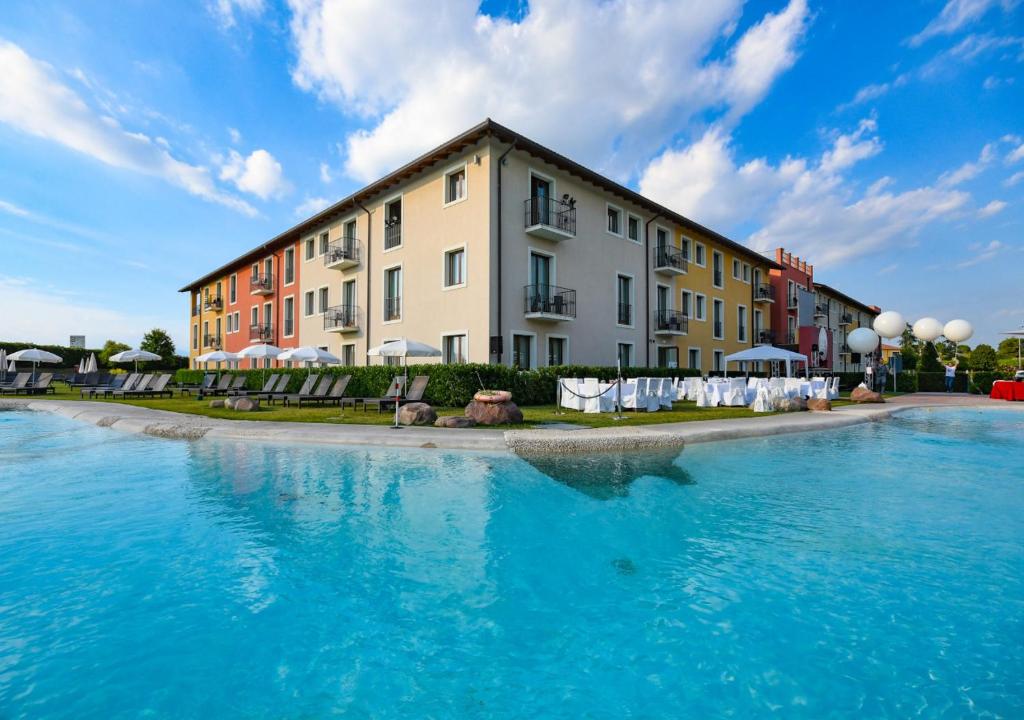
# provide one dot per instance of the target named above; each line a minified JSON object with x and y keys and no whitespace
{"x":162,"y":423}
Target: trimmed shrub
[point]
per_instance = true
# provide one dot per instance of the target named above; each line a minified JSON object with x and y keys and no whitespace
{"x":936,"y":382}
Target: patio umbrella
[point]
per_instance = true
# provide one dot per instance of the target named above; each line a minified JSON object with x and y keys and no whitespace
{"x":218,"y":356}
{"x":81,"y":365}
{"x":127,"y":356}
{"x":307,"y":353}
{"x":90,"y":365}
{"x":822,"y":345}
{"x":35,"y":356}
{"x":3,"y":364}
{"x":261,"y":351}
{"x":403,"y":349}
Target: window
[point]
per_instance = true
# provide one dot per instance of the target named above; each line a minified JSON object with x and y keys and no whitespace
{"x":717,"y":261}
{"x":736,"y":269}
{"x":693,"y":358}
{"x":218,"y":327}
{"x":453,"y":349}
{"x":325,"y":243}
{"x":746,"y":273}
{"x":195,"y":337}
{"x":267,"y":314}
{"x":393,"y":294}
{"x":228,"y":325}
{"x":614,"y":220}
{"x":686,"y":303}
{"x":255,"y":270}
{"x":455,"y":186}
{"x":633,"y":228}
{"x":556,"y":351}
{"x":624,"y":285}
{"x":625,"y":355}
{"x":289,"y":266}
{"x":684,"y":247}
{"x":455,"y":268}
{"x":310,"y":246}
{"x":668,"y":357}
{"x":288,"y":321}
{"x":719,"y":361}
{"x":661,"y":239}
{"x":238,"y":321}
{"x":348,"y":355}
{"x":393,"y":224}
{"x":718,"y":319}
{"x":348,"y":294}
{"x":699,"y":255}
{"x":206,"y":333}
{"x":268,"y":266}
{"x":758,"y":325}
{"x":350,"y":230}
{"x":254,"y":316}
{"x":233,"y":289}
{"x":323,"y":297}
{"x":700,"y":308}
{"x":522,"y":355}
{"x":308,"y":307}
{"x":741,"y":323}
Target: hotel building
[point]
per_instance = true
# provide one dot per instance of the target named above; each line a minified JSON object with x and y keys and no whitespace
{"x":495,"y":249}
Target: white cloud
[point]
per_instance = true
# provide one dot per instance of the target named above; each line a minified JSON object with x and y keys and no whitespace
{"x":993,"y":208}
{"x":19,"y":212}
{"x":969,"y":170}
{"x":311,"y":206}
{"x":259,"y":174}
{"x":34,"y":101}
{"x":39,"y":313}
{"x":631,"y":72}
{"x":325,"y":173}
{"x":992,"y":82}
{"x":235,"y":135}
{"x":983,"y":253}
{"x":805,"y":205}
{"x":1014,"y":179}
{"x":957,"y":14}
{"x":873,"y":92}
{"x":224,"y":11}
{"x":1015,"y":155}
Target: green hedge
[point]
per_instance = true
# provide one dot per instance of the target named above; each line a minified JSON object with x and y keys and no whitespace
{"x":982,"y":381}
{"x":70,"y":357}
{"x":450,"y":385}
{"x":936,"y":382}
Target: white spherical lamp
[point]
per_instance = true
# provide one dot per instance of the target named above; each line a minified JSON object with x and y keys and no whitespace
{"x":958,"y":331}
{"x":889,"y":324}
{"x":862,"y":340}
{"x":927,"y":329}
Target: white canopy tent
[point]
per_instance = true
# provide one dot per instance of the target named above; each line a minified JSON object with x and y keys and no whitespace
{"x":767,"y":353}
{"x":404,"y":349}
{"x":1019,"y":334}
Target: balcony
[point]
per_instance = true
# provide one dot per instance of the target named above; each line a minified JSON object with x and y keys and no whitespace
{"x":625,"y":314}
{"x":844,"y":349}
{"x":793,"y":301}
{"x":261,"y":284}
{"x":764,"y":292}
{"x":342,"y":254}
{"x":669,"y":260}
{"x":549,"y":302}
{"x":550,"y":218}
{"x":791,"y":339}
{"x":821,"y":310}
{"x":845,"y":319}
{"x":392,"y":309}
{"x":261,"y":333}
{"x":392,"y":234}
{"x":342,"y":319}
{"x":764,"y":337}
{"x":213,"y":304}
{"x":212,"y":341}
{"x":669,"y":322}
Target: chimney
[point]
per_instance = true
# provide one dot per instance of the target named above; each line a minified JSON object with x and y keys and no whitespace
{"x":779,"y":252}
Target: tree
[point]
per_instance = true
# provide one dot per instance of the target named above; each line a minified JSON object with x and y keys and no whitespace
{"x":929,"y":359}
{"x":111,"y":347}
{"x":159,"y":342}
{"x":983,"y":358}
{"x":909,"y":349}
{"x":1008,"y":348}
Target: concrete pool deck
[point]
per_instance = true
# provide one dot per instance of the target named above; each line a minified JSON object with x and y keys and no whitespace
{"x":542,"y":441}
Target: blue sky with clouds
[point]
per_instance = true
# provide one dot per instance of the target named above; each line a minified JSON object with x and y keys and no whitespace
{"x":143,"y":143}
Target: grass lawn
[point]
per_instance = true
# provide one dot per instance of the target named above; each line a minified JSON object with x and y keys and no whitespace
{"x":536,"y":415}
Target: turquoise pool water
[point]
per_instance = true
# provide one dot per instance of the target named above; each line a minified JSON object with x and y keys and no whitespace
{"x":869,"y":572}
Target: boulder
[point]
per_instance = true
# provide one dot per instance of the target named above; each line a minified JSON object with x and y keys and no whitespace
{"x":796,"y":404}
{"x":819,"y":405}
{"x":455,"y":421}
{"x":493,"y":396}
{"x":863,"y":395}
{"x":229,"y":402}
{"x":504,"y":413}
{"x":416,"y":413}
{"x":219,"y":403}
{"x":245,"y":404}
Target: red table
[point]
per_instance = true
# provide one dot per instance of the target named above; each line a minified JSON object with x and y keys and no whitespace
{"x":1007,"y":390}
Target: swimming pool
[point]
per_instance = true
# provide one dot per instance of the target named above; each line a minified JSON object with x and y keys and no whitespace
{"x":867,"y":572}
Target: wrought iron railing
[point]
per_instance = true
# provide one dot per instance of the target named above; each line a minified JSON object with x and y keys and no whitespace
{"x":764,"y":291}
{"x":668,"y":256}
{"x":261,"y":332}
{"x":764,"y":337}
{"x":341,"y":317}
{"x":392,"y":234}
{"x":346,"y":248}
{"x":392,"y":308}
{"x":845,"y":319}
{"x":212,"y":341}
{"x":554,"y":213}
{"x":549,"y":299}
{"x":794,"y":300}
{"x":670,"y":321}
{"x":261,"y":283}
{"x":215,"y":304}
{"x":625,"y":315}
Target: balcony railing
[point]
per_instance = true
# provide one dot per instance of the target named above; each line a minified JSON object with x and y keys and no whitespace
{"x":668,"y":258}
{"x":262,"y":332}
{"x":550,"y":218}
{"x":212,"y":341}
{"x":764,"y":337}
{"x":214,"y":304}
{"x":791,"y":338}
{"x":821,"y":310}
{"x":262,"y":284}
{"x":392,"y":308}
{"x":549,"y":301}
{"x":341,"y":318}
{"x":625,"y":316}
{"x":392,"y":234}
{"x":670,"y":321}
{"x":342,"y":253}
{"x":793,"y":301}
{"x":764,"y":292}
{"x":845,"y":319}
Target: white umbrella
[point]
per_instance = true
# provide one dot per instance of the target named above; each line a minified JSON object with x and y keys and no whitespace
{"x":261,"y":351}
{"x":404,"y":349}
{"x":91,"y":366}
{"x":35,"y":356}
{"x":307,"y":353}
{"x":822,"y":344}
{"x":81,"y":365}
{"x":3,"y":363}
{"x":127,"y":356}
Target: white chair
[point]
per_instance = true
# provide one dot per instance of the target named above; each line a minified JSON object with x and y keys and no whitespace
{"x":832,"y":388}
{"x":735,"y":394}
{"x":706,"y":396}
{"x":591,"y":401}
{"x":637,"y":398}
{"x":628,"y":393}
{"x":794,"y":387}
{"x":752,"y":384}
{"x":571,"y":393}
{"x":668,"y":393}
{"x":694,"y":388}
{"x":763,"y":400}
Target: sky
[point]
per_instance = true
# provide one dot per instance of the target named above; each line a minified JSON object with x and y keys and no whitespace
{"x":143,"y":144}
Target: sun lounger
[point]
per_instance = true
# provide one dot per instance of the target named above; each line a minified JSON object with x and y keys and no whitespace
{"x":142,"y":384}
{"x":318,"y":390}
{"x":41,"y":386}
{"x":208,"y":380}
{"x":335,"y":395}
{"x":282,"y":386}
{"x":116,"y":383}
{"x":268,"y":386}
{"x":20,"y":381}
{"x":157,"y":388}
{"x":416,"y":389}
{"x":306,"y":389}
{"x":222,"y":386}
